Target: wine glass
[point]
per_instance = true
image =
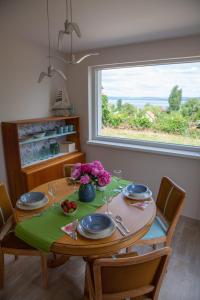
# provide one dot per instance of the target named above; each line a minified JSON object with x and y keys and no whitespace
{"x":107,"y":198}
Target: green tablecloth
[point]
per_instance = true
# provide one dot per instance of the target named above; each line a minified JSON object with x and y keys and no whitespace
{"x":41,"y":231}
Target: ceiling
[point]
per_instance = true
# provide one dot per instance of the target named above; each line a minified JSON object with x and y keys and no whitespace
{"x":103,"y":23}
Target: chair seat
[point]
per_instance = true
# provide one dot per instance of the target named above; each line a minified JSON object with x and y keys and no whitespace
{"x":157,"y":230}
{"x":13,"y":242}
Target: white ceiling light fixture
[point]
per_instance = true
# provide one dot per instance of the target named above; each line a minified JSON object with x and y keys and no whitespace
{"x":51,"y":71}
{"x":70,"y":28}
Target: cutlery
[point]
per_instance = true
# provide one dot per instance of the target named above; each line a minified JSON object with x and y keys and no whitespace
{"x":118,"y":227}
{"x":119,"y":220}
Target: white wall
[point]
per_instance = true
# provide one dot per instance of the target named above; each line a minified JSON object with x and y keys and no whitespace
{"x":139,"y":166}
{"x":21,"y":61}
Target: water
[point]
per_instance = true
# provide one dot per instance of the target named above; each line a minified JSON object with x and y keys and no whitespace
{"x":141,"y":101}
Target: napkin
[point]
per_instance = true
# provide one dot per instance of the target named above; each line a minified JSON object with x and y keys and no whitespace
{"x":141,"y":205}
{"x":70,"y":229}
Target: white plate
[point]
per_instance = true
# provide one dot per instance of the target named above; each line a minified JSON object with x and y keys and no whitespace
{"x":28,"y":207}
{"x":148,"y":195}
{"x":91,"y":236}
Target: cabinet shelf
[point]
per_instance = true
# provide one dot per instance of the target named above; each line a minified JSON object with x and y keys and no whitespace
{"x":46,"y":159}
{"x":46,"y":137}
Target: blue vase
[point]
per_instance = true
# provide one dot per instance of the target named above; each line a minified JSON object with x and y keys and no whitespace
{"x":87,"y":192}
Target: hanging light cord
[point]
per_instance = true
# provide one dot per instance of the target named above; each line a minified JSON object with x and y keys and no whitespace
{"x":66,"y":10}
{"x":71,"y":34}
{"x":49,"y":42}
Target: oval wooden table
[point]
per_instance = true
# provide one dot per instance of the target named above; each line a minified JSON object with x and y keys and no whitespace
{"x":138,"y":222}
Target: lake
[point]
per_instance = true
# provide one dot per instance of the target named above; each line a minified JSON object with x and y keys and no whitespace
{"x":141,"y":101}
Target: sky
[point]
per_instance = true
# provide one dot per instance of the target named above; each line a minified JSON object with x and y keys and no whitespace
{"x":152,"y":81}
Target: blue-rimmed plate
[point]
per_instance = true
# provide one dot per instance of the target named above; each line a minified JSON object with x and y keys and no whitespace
{"x":96,"y":223}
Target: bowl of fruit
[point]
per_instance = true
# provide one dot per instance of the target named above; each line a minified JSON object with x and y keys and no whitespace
{"x":69,"y":207}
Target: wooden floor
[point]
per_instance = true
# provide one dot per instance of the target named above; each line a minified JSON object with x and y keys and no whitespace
{"x":182,"y":281}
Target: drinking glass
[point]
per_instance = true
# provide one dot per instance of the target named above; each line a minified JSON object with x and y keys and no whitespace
{"x":118,"y":176}
{"x":75,"y":187}
{"x":52,"y":192}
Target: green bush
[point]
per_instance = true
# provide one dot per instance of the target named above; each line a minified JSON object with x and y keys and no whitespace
{"x":155,"y":109}
{"x":140,"y":122}
{"x":116,"y":120}
{"x":172,"y":122}
{"x":191,"y":109}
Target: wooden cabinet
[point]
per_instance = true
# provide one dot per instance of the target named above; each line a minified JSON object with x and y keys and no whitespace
{"x":30,"y":159}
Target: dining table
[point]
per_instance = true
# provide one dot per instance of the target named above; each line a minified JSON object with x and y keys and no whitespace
{"x":137,"y":220}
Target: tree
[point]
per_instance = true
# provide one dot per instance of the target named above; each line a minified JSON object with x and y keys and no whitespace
{"x":105,"y":111}
{"x":191,"y":109}
{"x":129,"y":109}
{"x":175,"y":98}
{"x":119,"y":104}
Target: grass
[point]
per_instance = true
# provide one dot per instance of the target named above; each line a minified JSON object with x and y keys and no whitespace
{"x":150,"y":135}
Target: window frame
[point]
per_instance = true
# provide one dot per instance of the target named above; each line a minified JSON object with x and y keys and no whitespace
{"x":94,"y":105}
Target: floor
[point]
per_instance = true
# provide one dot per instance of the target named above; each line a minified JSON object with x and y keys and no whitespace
{"x":182,"y":281}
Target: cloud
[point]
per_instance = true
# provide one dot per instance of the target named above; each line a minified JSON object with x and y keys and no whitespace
{"x":152,"y":81}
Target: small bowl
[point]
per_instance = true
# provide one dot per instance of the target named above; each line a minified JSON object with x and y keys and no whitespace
{"x":51,"y":132}
{"x":96,"y":223}
{"x":32,"y":198}
{"x":69,"y":213}
{"x":39,"y":135}
{"x":137,"y":190}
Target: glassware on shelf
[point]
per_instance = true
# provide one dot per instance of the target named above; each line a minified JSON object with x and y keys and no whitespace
{"x":36,"y":152}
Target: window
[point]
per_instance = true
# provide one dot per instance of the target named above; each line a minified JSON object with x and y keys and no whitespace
{"x":151,"y":104}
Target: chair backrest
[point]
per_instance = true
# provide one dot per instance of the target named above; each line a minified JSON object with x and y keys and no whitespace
{"x":67,"y":168}
{"x":170,"y":201}
{"x":6,"y":208}
{"x":132,"y":277}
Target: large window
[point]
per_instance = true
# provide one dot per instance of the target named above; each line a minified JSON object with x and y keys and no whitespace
{"x":155,"y":104}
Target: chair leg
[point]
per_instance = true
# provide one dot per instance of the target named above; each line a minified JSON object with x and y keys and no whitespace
{"x":1,"y":269}
{"x":44,"y":270}
{"x":129,"y":249}
{"x":16,"y":257}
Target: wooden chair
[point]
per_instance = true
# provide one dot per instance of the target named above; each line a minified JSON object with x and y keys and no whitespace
{"x":127,"y":277}
{"x":9,"y":243}
{"x":67,"y":168}
{"x":169,"y":203}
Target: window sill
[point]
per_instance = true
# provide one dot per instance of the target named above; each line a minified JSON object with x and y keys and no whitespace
{"x":148,"y":149}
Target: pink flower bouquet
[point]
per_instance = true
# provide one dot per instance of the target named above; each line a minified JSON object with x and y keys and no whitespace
{"x":93,"y":172}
